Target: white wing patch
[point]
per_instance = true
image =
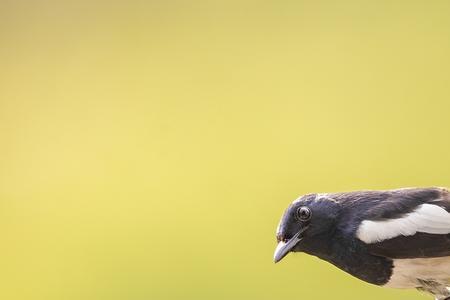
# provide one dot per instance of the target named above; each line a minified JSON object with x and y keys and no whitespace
{"x":427,"y":218}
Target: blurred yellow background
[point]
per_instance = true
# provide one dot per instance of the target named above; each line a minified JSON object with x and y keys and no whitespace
{"x":149,"y":148}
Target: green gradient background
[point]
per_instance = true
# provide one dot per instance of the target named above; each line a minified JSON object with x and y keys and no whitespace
{"x":149,"y":148}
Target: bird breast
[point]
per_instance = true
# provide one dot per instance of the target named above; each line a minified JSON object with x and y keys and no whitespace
{"x":409,"y":273}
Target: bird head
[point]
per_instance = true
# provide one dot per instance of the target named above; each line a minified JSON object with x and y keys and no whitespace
{"x":306,"y":224}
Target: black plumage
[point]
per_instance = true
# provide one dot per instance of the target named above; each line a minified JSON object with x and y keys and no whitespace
{"x":377,"y":236}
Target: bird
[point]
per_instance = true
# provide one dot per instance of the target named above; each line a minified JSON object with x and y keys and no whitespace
{"x":392,"y":238}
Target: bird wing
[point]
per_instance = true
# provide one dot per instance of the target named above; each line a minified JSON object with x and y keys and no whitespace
{"x":423,"y":232}
{"x":420,"y":245}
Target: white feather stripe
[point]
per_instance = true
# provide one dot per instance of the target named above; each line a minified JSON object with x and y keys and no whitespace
{"x":427,"y":218}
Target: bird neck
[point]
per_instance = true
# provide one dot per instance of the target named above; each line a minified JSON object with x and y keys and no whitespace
{"x":351,"y":255}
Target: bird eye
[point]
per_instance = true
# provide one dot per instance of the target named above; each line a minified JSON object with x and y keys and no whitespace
{"x":303,"y":213}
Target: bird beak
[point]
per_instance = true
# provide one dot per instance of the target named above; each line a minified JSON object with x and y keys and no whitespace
{"x":283,"y":248}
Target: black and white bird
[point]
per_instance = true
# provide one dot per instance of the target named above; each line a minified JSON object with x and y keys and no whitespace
{"x":397,"y":238}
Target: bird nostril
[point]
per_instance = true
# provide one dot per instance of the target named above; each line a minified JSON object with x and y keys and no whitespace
{"x":280,"y":238}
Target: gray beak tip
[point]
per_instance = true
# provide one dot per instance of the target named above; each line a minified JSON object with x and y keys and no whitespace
{"x":283,"y":248}
{"x":275,"y":260}
{"x":281,"y":251}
